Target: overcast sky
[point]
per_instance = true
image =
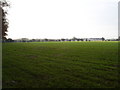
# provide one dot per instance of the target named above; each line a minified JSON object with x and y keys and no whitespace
{"x":63,"y":19}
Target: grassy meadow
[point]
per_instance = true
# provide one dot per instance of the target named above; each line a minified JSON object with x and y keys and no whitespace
{"x":60,"y":65}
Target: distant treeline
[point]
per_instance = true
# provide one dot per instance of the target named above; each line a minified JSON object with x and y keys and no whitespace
{"x":62,"y":39}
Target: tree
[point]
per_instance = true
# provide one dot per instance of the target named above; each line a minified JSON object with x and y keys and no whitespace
{"x":33,"y":40}
{"x":103,"y":39}
{"x":74,"y":38}
{"x":9,"y":40}
{"x":4,"y":4}
{"x":119,"y":38}
{"x":62,"y":39}
{"x":45,"y":39}
{"x":81,"y":39}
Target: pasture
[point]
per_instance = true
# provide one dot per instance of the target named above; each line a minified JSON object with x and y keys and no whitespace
{"x":60,"y":65}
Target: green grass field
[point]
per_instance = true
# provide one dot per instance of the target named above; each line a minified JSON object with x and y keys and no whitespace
{"x":60,"y":65}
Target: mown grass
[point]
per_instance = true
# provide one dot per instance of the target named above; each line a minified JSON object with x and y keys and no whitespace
{"x":60,"y":65}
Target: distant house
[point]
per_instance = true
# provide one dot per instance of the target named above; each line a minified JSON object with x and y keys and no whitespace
{"x":24,"y":39}
{"x":17,"y":40}
{"x":51,"y":40}
{"x":112,"y":40}
{"x":95,"y":39}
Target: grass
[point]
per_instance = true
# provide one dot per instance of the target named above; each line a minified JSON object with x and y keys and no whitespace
{"x":60,"y":65}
